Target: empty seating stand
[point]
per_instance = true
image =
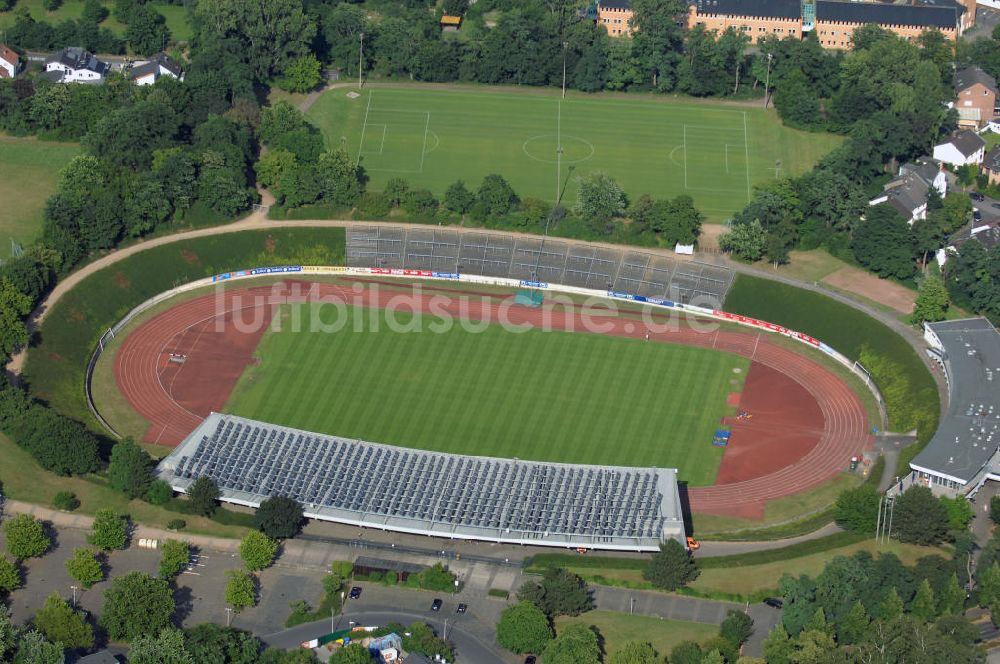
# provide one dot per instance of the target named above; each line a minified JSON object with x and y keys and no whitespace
{"x":410,"y":490}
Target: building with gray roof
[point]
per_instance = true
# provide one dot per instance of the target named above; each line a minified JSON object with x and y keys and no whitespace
{"x":963,"y":452}
{"x":429,"y":493}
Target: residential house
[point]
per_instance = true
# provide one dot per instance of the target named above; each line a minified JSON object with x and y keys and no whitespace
{"x":991,"y":165}
{"x":149,"y":72}
{"x":615,"y":15}
{"x":965,"y":147}
{"x":100,"y":657}
{"x":908,"y":192}
{"x":975,"y":97}
{"x":757,"y":18}
{"x":10,"y":63}
{"x":76,"y":65}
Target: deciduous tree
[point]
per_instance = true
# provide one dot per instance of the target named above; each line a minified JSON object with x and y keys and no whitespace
{"x":671,"y":567}
{"x":109,"y":531}
{"x":240,"y":592}
{"x":257,"y":550}
{"x":523,"y":628}
{"x":175,"y":555}
{"x":559,"y":592}
{"x":84,"y":567}
{"x":26,"y":537}
{"x":130,"y":469}
{"x":279,"y":517}
{"x":203,"y":496}
{"x":61,"y":624}
{"x":135,"y":605}
{"x":575,"y":644}
{"x":10,"y":576}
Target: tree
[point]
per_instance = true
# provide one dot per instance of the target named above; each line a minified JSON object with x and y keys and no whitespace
{"x":560,"y":592}
{"x":33,"y":648}
{"x":600,"y":197}
{"x":158,"y":493}
{"x":523,"y":628}
{"x":14,"y":306}
{"x":686,"y":652}
{"x":736,"y":628}
{"x":354,"y":653}
{"x":61,"y":624}
{"x":746,"y":241}
{"x":635,"y":652}
{"x":209,"y":642}
{"x":671,"y":567}
{"x":932,"y":300}
{"x":797,"y":102}
{"x":130,"y":469}
{"x":273,"y":166}
{"x":495,"y":198}
{"x":270,"y":35}
{"x":853,"y":627}
{"x":65,"y":501}
{"x":110,"y":530}
{"x":257,"y":550}
{"x":240,"y":592}
{"x":279,"y":517}
{"x":891,"y":607}
{"x":953,"y":598}
{"x":457,"y":198}
{"x":882,"y":243}
{"x":340,"y":177}
{"x":174,"y":557}
{"x":995,"y":509}
{"x":857,"y":509}
{"x":575,"y":644}
{"x":166,"y":648}
{"x":26,"y":537}
{"x":919,"y":517}
{"x":136,"y":604}
{"x":778,"y":647}
{"x":203,"y":496}
{"x":84,"y":567}
{"x":10,"y":576}
{"x":147,"y":30}
{"x":923,"y":605}
{"x":94,"y":12}
{"x":959,"y":512}
{"x":302,"y":74}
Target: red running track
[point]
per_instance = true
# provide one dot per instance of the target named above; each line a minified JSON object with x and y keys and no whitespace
{"x":148,"y":378}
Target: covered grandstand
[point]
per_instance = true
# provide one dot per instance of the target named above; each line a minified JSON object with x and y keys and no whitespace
{"x":533,"y":259}
{"x":964,"y":451}
{"x":429,"y":493}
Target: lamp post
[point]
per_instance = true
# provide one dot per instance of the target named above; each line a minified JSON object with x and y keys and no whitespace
{"x":565,"y":45}
{"x":229,"y":616}
{"x":74,"y":589}
{"x":361,"y":51}
{"x":767,"y":80}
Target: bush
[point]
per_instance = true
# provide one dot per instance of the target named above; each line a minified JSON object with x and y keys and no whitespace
{"x":857,"y":509}
{"x":26,"y":537}
{"x":159,"y":493}
{"x":374,"y":205}
{"x":176,"y":524}
{"x":65,"y":501}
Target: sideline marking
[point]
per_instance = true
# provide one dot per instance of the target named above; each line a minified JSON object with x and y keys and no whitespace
{"x":423,"y":149}
{"x":746,"y":145}
{"x":365,"y":125}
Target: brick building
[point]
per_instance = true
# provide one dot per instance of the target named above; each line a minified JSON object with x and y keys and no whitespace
{"x":615,"y":15}
{"x":757,"y":18}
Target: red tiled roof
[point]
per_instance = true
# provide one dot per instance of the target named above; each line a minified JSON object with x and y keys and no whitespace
{"x":9,"y":55}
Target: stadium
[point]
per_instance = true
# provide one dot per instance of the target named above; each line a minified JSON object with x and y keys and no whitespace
{"x":611,"y":438}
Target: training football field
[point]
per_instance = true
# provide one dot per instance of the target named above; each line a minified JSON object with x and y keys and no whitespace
{"x":663,"y":147}
{"x":553,"y":396}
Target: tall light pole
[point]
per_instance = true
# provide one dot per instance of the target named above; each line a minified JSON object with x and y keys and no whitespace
{"x":565,"y":45}
{"x":361,"y":55}
{"x":74,"y":589}
{"x":767,"y":80}
{"x":229,"y":616}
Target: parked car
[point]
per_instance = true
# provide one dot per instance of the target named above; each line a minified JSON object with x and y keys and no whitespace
{"x":355,"y":592}
{"x":530,"y":659}
{"x":977,"y":215}
{"x":976,"y":196}
{"x":461,"y":608}
{"x":996,"y":205}
{"x":773,"y":602}
{"x":436,"y":605}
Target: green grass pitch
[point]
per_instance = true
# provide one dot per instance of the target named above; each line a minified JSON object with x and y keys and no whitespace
{"x":29,"y":173}
{"x":553,"y":396}
{"x":432,"y":137}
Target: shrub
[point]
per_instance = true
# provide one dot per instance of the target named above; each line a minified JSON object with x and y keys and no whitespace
{"x":374,"y":205}
{"x":65,"y":501}
{"x":176,"y":524}
{"x":159,"y":493}
{"x":26,"y":537}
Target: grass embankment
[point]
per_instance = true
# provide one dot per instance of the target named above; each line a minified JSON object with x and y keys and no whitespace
{"x":906,"y":384}
{"x":55,"y":368}
{"x":23,"y":479}
{"x":433,"y":136}
{"x":620,"y":628}
{"x":175,"y":15}
{"x":539,"y":395}
{"x":29,"y":173}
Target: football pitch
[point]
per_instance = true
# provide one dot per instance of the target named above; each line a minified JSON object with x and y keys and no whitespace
{"x":431,"y":137}
{"x":552,"y":396}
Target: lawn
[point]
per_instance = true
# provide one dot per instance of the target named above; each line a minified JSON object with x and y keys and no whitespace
{"x":432,"y":137}
{"x":29,"y":172}
{"x":620,"y":628}
{"x":175,"y":15}
{"x":56,"y":365}
{"x":552,"y":396}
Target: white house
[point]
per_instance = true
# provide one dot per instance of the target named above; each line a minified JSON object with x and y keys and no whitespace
{"x":965,"y":147}
{"x":147,"y":73}
{"x":10,"y":63}
{"x":76,"y":65}
{"x":907,"y":192}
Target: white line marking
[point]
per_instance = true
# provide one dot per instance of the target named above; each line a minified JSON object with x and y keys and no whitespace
{"x":382,"y":144}
{"x":685,"y":144}
{"x":727,"y":158}
{"x":746,"y":145}
{"x":423,"y":148}
{"x":365,"y":125}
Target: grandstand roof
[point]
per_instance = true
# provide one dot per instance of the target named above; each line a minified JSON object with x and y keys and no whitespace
{"x":969,"y":433}
{"x":429,"y":493}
